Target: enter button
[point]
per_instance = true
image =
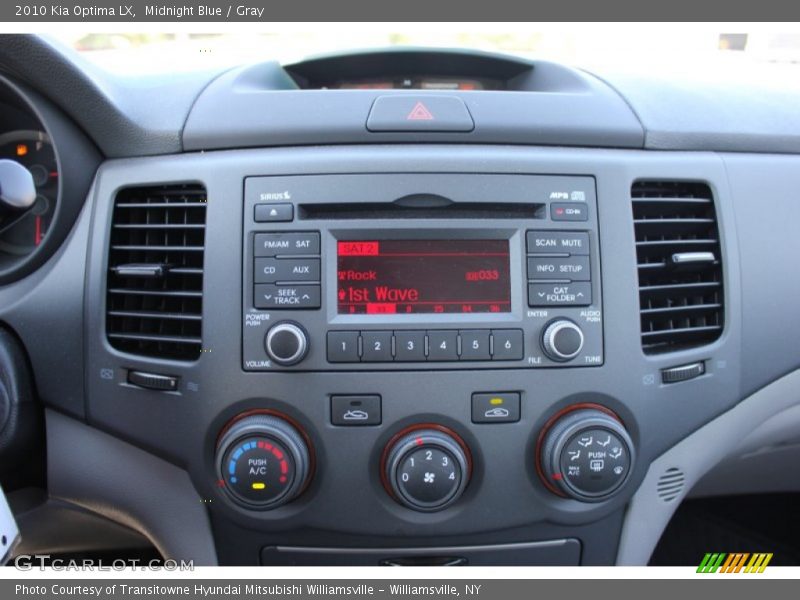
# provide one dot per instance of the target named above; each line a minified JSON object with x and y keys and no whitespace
{"x":501,"y":407}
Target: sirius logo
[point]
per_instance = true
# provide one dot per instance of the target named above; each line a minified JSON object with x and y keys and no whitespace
{"x":276,"y":196}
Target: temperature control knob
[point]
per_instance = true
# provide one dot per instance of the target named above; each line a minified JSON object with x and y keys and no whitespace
{"x":426,"y":468}
{"x":562,"y":340}
{"x":263,"y":462}
{"x":286,"y":343}
{"x":585,"y":454}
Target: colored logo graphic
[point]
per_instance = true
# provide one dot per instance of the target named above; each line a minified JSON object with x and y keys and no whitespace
{"x":734,"y":562}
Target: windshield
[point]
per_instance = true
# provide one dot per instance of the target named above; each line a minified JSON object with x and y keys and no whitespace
{"x":638,"y":47}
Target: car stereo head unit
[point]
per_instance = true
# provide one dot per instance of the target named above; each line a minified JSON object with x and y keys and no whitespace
{"x":420,"y":271}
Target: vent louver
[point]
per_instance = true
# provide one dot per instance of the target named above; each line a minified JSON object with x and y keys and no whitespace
{"x":155,"y":271}
{"x":679,"y":265}
{"x":670,"y":484}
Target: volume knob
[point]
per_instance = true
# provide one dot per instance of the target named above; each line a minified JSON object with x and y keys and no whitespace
{"x":286,"y":344}
{"x":562,"y":340}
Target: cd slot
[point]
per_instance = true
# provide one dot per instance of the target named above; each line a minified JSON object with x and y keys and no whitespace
{"x":452,"y":210}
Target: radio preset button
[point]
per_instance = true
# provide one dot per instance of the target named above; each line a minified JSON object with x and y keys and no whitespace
{"x":343,"y":346}
{"x":377,"y":346}
{"x":442,"y":345}
{"x":279,"y":244}
{"x":507,"y":344}
{"x":280,"y":297}
{"x":549,"y":242}
{"x":574,"y":268}
{"x":560,"y":294}
{"x":409,"y":346}
{"x":475,"y":344}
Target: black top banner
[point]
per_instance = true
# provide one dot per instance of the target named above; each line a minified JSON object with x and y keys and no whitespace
{"x":265,"y":11}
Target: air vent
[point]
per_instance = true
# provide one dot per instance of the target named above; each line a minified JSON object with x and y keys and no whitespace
{"x":155,"y":271}
{"x":680,"y":273}
{"x":670,"y":484}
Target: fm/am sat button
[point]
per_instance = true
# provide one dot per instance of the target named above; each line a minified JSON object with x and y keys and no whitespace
{"x":500,"y":407}
{"x":271,"y":296}
{"x":279,"y":244}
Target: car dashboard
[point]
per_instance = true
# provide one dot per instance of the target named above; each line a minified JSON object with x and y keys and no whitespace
{"x":396,"y":307}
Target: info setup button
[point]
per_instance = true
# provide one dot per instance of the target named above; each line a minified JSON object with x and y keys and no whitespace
{"x":500,"y":407}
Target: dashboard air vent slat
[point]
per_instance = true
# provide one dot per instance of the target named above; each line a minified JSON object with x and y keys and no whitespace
{"x":678,"y":263}
{"x":670,"y":484}
{"x":155,"y":271}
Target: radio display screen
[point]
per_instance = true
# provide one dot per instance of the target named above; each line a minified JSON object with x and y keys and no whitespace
{"x":423,"y":276}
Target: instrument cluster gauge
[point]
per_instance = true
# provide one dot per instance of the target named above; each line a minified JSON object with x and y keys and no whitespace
{"x":23,"y":230}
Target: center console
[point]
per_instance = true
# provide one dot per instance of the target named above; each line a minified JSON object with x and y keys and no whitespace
{"x":403,"y":354}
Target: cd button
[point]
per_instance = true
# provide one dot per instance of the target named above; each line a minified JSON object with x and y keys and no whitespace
{"x":270,"y":270}
{"x":377,"y":346}
{"x":475,"y":345}
{"x":442,"y":345}
{"x":507,"y":344}
{"x":342,"y":346}
{"x":409,"y":346}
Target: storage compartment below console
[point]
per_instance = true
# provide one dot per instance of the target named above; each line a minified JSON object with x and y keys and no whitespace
{"x":565,"y":552}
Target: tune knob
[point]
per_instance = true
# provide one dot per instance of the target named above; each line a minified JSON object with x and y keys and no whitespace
{"x":263,"y":461}
{"x":562,"y":340}
{"x":585,"y":454}
{"x":286,"y":343}
{"x":426,"y":468}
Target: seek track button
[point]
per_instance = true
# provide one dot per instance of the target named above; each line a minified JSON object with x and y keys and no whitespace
{"x":286,"y":296}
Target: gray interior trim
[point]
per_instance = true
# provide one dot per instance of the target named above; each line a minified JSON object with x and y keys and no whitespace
{"x":127,"y":485}
{"x":712,"y":111}
{"x":648,"y":514}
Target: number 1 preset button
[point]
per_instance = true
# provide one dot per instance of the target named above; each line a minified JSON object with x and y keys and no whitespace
{"x":343,"y":346}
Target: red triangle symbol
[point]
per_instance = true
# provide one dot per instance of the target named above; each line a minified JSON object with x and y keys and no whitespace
{"x":419,"y":113}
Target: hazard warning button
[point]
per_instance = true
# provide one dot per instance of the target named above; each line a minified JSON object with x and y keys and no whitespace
{"x":419,"y":113}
